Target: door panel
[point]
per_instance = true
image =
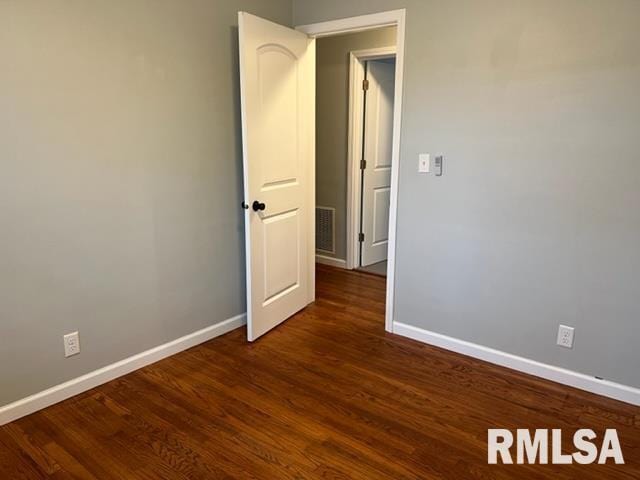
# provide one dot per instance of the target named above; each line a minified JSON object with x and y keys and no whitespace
{"x":278,"y":90}
{"x":277,"y":69}
{"x":381,"y":200}
{"x":376,"y":193}
{"x":281,"y":253}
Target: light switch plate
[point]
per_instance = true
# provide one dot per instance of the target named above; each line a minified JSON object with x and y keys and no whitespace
{"x":424,"y":163}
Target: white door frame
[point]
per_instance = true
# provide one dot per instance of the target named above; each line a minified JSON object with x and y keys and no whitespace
{"x":368,"y":22}
{"x":356,"y":127}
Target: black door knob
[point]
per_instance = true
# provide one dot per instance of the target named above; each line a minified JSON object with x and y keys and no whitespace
{"x":258,"y":206}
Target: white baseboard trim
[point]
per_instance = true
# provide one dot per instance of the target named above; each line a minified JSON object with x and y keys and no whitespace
{"x":38,"y":401}
{"x":333,"y":262}
{"x":560,"y":375}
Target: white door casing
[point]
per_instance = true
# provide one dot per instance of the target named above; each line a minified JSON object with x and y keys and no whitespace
{"x":378,"y":143}
{"x":277,"y":83}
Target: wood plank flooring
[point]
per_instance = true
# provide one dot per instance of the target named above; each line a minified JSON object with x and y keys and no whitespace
{"x":327,"y":395}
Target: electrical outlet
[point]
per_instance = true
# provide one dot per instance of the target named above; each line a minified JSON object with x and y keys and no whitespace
{"x":71,"y":344}
{"x":565,"y":336}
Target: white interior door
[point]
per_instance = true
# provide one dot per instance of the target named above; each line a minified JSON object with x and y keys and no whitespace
{"x":277,"y":78}
{"x":378,"y":137}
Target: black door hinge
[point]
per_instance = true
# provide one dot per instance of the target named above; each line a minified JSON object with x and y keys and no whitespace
{"x":363,"y":164}
{"x":365,"y":84}
{"x":361,"y":237}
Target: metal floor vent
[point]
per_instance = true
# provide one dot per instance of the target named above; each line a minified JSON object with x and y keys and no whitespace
{"x":325,"y":228}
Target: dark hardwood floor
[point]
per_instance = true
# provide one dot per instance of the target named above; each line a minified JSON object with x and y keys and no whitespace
{"x":327,"y":395}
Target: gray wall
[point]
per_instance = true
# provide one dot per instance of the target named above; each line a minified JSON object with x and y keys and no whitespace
{"x":121,"y":175}
{"x":120,"y":179}
{"x":536,"y":220}
{"x":332,"y":114}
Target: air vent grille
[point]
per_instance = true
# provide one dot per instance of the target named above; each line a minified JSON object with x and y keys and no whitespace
{"x":325,"y":228}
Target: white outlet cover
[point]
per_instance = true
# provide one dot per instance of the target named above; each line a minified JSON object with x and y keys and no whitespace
{"x":565,"y":336}
{"x":71,"y":344}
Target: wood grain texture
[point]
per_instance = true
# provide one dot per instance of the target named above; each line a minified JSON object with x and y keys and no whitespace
{"x":327,"y":395}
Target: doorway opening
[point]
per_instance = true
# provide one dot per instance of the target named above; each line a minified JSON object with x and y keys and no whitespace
{"x":370,"y":158}
{"x":359,"y":211}
{"x":355,"y":89}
